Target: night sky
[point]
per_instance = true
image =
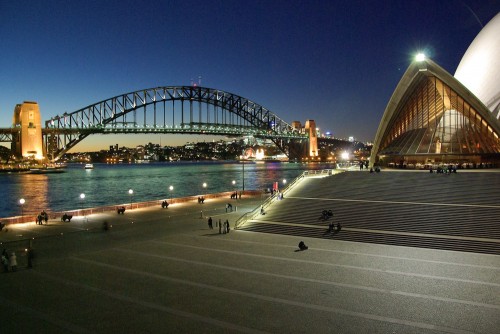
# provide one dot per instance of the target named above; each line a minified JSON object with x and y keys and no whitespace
{"x":336,"y":62}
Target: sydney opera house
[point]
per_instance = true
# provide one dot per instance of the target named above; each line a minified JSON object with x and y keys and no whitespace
{"x":436,"y":118}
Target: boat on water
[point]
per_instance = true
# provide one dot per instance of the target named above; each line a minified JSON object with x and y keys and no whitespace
{"x":46,"y":170}
{"x":89,"y":166}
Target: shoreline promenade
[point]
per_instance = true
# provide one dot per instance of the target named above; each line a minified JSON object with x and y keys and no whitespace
{"x":163,"y":270}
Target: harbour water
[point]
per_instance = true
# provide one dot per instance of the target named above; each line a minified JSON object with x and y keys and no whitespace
{"x":108,"y":184}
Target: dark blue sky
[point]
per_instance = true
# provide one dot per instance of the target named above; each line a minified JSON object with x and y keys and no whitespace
{"x":336,"y":62}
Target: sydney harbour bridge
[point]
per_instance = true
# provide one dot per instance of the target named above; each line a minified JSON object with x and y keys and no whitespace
{"x":172,"y":110}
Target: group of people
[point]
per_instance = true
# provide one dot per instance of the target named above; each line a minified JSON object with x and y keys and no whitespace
{"x":223,"y":226}
{"x":9,"y":261}
{"x":229,"y":206}
{"x":443,"y":170}
{"x":66,"y":218}
{"x":363,"y":164}
{"x":164,"y":204}
{"x":201,"y":200}
{"x":332,"y":229}
{"x":325,"y":214}
{"x":235,"y":195}
{"x":42,"y":217}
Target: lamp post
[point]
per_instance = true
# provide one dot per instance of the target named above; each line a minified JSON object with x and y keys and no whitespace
{"x":345,"y":157}
{"x":131,"y":193}
{"x":82,"y":197}
{"x":171,"y":188}
{"x":22,"y":201}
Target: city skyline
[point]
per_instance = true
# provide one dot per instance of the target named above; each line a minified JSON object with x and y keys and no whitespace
{"x":336,"y":62}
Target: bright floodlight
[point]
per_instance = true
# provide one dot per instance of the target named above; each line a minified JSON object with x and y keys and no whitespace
{"x":22,"y":201}
{"x":345,"y":155}
{"x":420,"y":57}
{"x":171,"y":188}
{"x":82,"y":196}
{"x":130,"y":191}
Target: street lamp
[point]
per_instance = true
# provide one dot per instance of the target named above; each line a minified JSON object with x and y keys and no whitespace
{"x":243,"y":177}
{"x":82,"y":197}
{"x":22,"y":201}
{"x":131,"y":193}
{"x":235,"y":192}
{"x":171,"y":188}
{"x":345,"y":157}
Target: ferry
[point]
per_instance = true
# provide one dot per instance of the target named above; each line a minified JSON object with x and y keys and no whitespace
{"x":89,"y":166}
{"x":46,"y":170}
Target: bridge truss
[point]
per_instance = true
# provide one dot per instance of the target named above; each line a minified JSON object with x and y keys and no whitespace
{"x":175,"y":110}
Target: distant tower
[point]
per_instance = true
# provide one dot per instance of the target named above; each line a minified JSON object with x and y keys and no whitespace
{"x":297,"y":126}
{"x":310,"y":127}
{"x":28,"y":143}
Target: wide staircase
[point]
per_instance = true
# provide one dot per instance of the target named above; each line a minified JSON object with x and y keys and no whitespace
{"x":418,"y":209}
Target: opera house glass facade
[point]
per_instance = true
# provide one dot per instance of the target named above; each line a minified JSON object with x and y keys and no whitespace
{"x":433,"y":119}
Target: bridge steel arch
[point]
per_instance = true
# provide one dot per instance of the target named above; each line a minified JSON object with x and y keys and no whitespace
{"x":176,"y":109}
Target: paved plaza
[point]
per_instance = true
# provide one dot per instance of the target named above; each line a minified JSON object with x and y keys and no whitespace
{"x":164,"y":271}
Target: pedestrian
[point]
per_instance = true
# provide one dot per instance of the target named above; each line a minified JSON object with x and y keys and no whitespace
{"x":5,"y":261}
{"x":330,"y":227}
{"x":227,"y":226}
{"x":220,"y":227}
{"x":339,"y":227}
{"x":13,"y":261}
{"x":31,"y":255}
{"x":210,"y":226}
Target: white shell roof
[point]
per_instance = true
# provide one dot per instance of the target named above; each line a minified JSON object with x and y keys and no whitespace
{"x":479,"y":69}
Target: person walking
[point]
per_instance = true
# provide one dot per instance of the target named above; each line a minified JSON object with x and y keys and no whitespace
{"x":31,"y":255}
{"x":220,"y":227}
{"x":5,"y":261}
{"x":13,"y":261}
{"x":210,"y":226}
{"x":227,"y":226}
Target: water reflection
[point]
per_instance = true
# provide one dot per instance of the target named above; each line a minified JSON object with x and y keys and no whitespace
{"x":109,"y":184}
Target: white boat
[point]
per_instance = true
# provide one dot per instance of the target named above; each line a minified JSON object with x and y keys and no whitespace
{"x":89,"y":166}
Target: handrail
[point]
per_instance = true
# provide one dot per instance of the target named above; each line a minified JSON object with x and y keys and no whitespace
{"x":255,"y":212}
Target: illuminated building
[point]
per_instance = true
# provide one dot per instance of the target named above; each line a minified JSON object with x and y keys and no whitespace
{"x":435,"y":118}
{"x":28,"y":143}
{"x":432,"y":118}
